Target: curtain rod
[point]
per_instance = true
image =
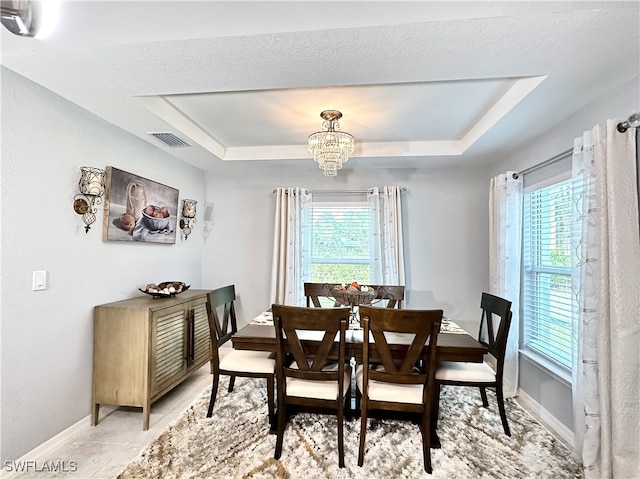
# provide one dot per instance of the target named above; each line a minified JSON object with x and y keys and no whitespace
{"x":559,"y":157}
{"x":340,"y":192}
{"x":632,"y":121}
{"x":344,"y":192}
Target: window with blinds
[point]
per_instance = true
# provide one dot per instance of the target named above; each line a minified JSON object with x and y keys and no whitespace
{"x":340,"y":249}
{"x":547,"y":272}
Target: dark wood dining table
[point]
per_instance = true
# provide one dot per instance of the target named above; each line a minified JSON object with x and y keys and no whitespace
{"x":451,"y":347}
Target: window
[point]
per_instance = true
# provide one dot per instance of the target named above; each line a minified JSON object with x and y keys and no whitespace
{"x":340,"y":249}
{"x":547,"y":299}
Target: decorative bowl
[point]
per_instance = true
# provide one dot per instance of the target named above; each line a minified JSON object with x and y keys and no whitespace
{"x":160,"y":292}
{"x":353,"y":298}
{"x":155,"y":224}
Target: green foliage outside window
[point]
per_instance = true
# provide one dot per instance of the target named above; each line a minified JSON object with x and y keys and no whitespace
{"x":340,"y":273}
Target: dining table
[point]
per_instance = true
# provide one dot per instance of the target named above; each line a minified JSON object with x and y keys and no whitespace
{"x":453,"y":344}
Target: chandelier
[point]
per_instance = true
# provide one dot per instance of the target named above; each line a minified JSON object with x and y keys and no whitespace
{"x":330,"y":148}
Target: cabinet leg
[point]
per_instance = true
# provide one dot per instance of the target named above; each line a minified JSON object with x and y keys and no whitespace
{"x":145,"y":417}
{"x":95,"y":414}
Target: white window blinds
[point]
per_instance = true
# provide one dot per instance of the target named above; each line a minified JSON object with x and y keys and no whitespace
{"x":547,"y":272}
{"x":340,"y":249}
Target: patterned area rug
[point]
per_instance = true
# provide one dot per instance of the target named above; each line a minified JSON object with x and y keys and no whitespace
{"x":235,"y":443}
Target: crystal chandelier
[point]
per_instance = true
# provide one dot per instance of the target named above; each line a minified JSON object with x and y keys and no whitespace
{"x":330,"y":148}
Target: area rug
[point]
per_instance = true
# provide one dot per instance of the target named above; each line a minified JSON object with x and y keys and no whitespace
{"x":235,"y":443}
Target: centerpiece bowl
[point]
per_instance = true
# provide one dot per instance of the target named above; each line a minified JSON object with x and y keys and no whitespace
{"x":353,"y":298}
{"x":167,"y":289}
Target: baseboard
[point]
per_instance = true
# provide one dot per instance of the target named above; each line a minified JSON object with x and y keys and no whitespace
{"x":555,"y":427}
{"x":43,"y":453}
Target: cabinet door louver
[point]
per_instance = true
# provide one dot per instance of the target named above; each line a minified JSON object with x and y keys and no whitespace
{"x":170,"y":344}
{"x":202,"y":338}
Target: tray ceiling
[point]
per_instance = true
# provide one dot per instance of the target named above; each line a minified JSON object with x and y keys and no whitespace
{"x":419,"y":83}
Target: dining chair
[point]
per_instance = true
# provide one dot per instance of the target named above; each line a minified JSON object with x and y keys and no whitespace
{"x":484,"y":375}
{"x":388,"y":378}
{"x":254,"y":364}
{"x":314,"y":291}
{"x":393,"y":294}
{"x":310,"y":373}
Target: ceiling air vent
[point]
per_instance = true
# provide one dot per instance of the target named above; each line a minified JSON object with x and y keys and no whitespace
{"x":170,"y":139}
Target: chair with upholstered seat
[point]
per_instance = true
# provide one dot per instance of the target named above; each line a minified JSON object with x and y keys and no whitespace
{"x":255,"y":364}
{"x":314,"y":339}
{"x":388,"y":378}
{"x":483,"y":375}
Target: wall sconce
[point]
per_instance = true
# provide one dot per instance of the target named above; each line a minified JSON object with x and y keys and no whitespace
{"x":208,"y":220}
{"x":91,"y":186}
{"x":188,"y":217}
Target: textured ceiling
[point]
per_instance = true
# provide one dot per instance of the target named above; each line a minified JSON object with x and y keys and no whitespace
{"x":419,"y":83}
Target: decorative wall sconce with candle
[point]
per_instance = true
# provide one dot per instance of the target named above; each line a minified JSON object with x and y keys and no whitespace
{"x":91,"y":187}
{"x":188,"y":217}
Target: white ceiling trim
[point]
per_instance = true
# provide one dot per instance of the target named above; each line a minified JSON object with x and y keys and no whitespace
{"x":504,"y":105}
{"x":455,"y":147}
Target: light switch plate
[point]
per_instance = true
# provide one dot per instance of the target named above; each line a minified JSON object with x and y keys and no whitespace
{"x":39,"y":280}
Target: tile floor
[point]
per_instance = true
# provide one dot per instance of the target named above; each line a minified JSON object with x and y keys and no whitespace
{"x":101,"y":452}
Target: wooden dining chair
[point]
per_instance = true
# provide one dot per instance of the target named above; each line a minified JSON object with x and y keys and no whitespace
{"x":484,"y":375}
{"x":388,"y":378}
{"x":314,"y":291}
{"x":254,"y":364}
{"x":310,"y":364}
{"x":394,"y":295}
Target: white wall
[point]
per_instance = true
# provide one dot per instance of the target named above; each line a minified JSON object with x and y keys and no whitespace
{"x":551,"y":394}
{"x":446,"y":242}
{"x":46,"y":336}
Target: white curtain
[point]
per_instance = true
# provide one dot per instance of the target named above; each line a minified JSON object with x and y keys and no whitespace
{"x":606,"y":273}
{"x":386,"y":226}
{"x":290,"y":246}
{"x":505,"y":252}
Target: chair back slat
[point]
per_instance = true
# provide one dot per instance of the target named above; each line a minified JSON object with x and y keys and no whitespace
{"x":383,"y":351}
{"x":321,"y":356}
{"x":221,"y":303}
{"x":294,"y":347}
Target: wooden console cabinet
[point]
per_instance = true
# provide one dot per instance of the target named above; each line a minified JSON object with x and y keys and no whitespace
{"x":144,"y":347}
